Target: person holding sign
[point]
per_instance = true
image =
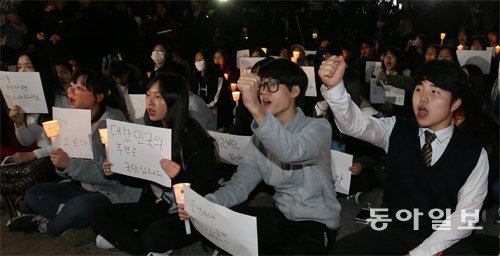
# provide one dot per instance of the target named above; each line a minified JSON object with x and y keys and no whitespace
{"x":28,"y":131}
{"x":152,"y":225}
{"x":290,"y":152}
{"x":432,"y":166}
{"x":65,"y":208}
{"x":29,"y":126}
{"x":395,"y":74}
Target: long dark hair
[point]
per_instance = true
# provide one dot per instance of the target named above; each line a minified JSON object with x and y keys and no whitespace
{"x":48,"y":75}
{"x":174,"y":90}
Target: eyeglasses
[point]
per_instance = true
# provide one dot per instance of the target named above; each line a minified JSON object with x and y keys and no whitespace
{"x":271,"y":84}
{"x":76,"y":90}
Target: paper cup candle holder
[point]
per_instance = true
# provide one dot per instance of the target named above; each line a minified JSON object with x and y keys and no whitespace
{"x":51,"y":128}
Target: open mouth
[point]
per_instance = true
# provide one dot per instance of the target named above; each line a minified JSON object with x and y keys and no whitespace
{"x":151,"y":112}
{"x":266,"y":103}
{"x":71,"y":101}
{"x":422,"y":112}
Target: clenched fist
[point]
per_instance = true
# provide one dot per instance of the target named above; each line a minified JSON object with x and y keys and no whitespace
{"x":332,"y":71}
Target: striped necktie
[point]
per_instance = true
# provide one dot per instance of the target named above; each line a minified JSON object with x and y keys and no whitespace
{"x":427,"y":149}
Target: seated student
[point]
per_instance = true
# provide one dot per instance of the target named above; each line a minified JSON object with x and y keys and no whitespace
{"x":65,"y":207}
{"x":290,"y":152}
{"x":28,"y":131}
{"x":432,"y":165}
{"x":154,"y":226}
{"x":29,"y":126}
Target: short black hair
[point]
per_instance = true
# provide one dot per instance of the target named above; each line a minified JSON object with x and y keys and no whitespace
{"x":117,"y":68}
{"x":287,"y":73}
{"x":447,"y":76}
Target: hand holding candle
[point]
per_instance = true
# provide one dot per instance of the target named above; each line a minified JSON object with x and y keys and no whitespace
{"x":179,"y":199}
{"x":233,"y":87}
{"x":51,"y":128}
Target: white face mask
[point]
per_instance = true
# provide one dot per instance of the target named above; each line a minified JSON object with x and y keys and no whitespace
{"x":157,"y":56}
{"x":200,"y":65}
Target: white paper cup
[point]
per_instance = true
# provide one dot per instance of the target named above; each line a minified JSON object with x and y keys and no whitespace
{"x":179,"y":192}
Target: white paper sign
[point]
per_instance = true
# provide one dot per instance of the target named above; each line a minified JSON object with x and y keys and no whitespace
{"x":136,"y":106}
{"x":232,"y":148}
{"x":340,"y":170}
{"x":241,"y":54}
{"x":234,"y":232}
{"x":382,"y":93}
{"x":311,"y":81}
{"x":75,"y":132}
{"x":492,"y":50}
{"x":370,"y":67}
{"x":482,"y":59}
{"x":136,"y":150}
{"x":310,"y":52}
{"x":246,"y":64}
{"x":23,"y":89}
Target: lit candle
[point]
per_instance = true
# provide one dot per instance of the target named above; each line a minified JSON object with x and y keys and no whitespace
{"x":179,"y":199}
{"x":314,"y":35}
{"x":443,"y":35}
{"x":51,"y":128}
{"x":103,"y":133}
{"x":226,"y":75}
{"x":233,"y":87}
{"x":497,"y":49}
{"x":264,"y":50}
{"x":236,"y":96}
{"x":460,"y":47}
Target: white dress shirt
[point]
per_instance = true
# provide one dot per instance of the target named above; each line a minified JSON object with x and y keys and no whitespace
{"x":351,"y":121}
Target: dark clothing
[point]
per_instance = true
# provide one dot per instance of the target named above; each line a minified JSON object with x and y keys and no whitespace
{"x":396,"y":240}
{"x":207,"y":87}
{"x":157,"y":229}
{"x":278,"y":235}
{"x":410,"y":186}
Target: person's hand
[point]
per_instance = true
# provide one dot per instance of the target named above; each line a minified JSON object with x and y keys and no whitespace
{"x":248,"y":85}
{"x":356,"y":168}
{"x":40,"y":36}
{"x":332,"y":71}
{"x":55,"y":38}
{"x":183,"y":214}
{"x":23,"y":157}
{"x":106,"y":168}
{"x":60,"y":158}
{"x":381,"y":76}
{"x":17,"y":116}
{"x":170,"y":167}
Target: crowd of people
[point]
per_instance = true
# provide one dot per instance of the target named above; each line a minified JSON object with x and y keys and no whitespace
{"x":439,"y":150}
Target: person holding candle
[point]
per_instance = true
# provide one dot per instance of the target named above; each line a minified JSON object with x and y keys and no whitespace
{"x":290,"y":152}
{"x":65,"y":208}
{"x":152,"y":225}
